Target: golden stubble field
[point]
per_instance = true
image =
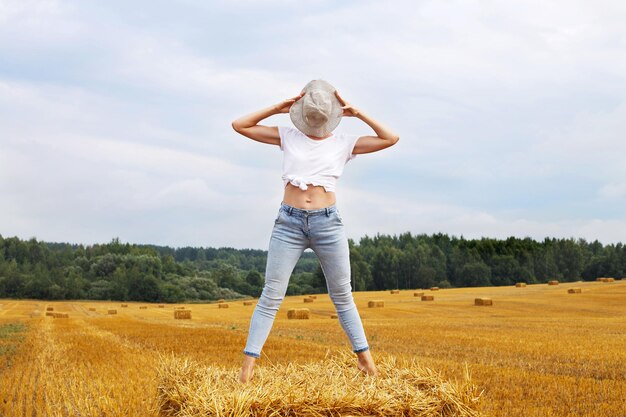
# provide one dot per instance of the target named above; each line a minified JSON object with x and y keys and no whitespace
{"x":538,"y":351}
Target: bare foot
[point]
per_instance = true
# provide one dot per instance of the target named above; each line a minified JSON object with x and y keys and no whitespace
{"x":366,"y":363}
{"x":247,"y":369}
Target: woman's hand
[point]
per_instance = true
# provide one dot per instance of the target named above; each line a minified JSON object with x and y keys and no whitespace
{"x":348,"y":109}
{"x":285,"y":106}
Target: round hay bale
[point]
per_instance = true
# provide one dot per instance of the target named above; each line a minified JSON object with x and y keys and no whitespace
{"x":434,"y":288}
{"x":222,"y":305}
{"x":375,"y":303}
{"x":418,"y":294}
{"x":308,"y":300}
{"x":112,"y":311}
{"x":395,"y":291}
{"x":428,"y":298}
{"x":574,"y":290}
{"x":553,"y":282}
{"x":298,"y":314}
{"x":483,"y":301}
{"x":248,"y":303}
{"x":182,"y":314}
{"x":520,"y":284}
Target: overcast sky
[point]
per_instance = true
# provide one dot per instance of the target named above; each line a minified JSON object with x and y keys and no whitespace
{"x":115,"y":116}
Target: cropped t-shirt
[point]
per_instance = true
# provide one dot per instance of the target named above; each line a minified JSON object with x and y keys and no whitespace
{"x":316,"y":162}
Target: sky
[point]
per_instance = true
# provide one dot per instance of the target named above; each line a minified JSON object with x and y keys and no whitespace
{"x":115,"y":117}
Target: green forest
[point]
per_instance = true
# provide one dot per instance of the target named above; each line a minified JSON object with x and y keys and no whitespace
{"x":136,"y":272}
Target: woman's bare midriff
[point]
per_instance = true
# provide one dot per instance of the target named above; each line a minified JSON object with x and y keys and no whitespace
{"x":315,"y":197}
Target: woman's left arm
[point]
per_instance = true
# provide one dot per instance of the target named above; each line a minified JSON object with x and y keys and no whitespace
{"x":384,"y":138}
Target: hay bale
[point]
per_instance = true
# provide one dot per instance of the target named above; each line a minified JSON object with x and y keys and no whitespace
{"x":428,"y":298}
{"x":553,"y":282}
{"x":49,"y":308}
{"x":418,"y":294}
{"x":248,"y":303}
{"x":375,"y":303}
{"x":520,"y":284}
{"x":143,"y":307}
{"x":395,"y":291}
{"x":92,"y":309}
{"x":49,"y":313}
{"x":434,"y":288}
{"x":329,"y":387}
{"x":314,"y":297}
{"x":298,"y":314}
{"x":161,"y":305}
{"x":483,"y":301}
{"x":222,"y":305}
{"x":61,"y":315}
{"x":112,"y":311}
{"x":308,"y":300}
{"x":574,"y":290}
{"x":333,"y":316}
{"x":182,"y":314}
{"x":124,"y":305}
{"x":610,"y":280}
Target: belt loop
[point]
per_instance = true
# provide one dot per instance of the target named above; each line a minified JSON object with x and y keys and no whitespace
{"x":290,"y":209}
{"x":327,"y":212}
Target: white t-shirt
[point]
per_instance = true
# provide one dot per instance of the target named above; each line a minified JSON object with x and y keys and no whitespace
{"x":316,"y":162}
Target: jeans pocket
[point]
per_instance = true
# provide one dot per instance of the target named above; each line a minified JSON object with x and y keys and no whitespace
{"x":277,"y":219}
{"x":338,"y":216}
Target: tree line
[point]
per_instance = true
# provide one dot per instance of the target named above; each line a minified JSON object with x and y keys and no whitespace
{"x":134,"y":272}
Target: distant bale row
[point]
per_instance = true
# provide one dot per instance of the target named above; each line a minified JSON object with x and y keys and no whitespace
{"x":298,"y":314}
{"x":604,"y":279}
{"x":182,"y":314}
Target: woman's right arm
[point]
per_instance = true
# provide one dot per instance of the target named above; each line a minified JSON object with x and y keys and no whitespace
{"x":249,"y":127}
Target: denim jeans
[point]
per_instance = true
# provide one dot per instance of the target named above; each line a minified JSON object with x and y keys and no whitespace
{"x":295,"y":230}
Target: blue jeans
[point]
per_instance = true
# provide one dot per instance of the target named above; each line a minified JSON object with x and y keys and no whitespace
{"x":294,"y":231}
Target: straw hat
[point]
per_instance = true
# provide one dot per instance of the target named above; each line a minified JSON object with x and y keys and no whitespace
{"x":319,"y":111}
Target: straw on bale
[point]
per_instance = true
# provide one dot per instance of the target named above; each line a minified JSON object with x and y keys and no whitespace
{"x":574,"y":290}
{"x":375,"y":303}
{"x":308,"y":300}
{"x":395,"y":291}
{"x":124,"y":305}
{"x":248,"y":303}
{"x":330,"y":387}
{"x":483,"y":301}
{"x":553,"y":282}
{"x":434,"y":288}
{"x":298,"y":314}
{"x":92,"y":309}
{"x":161,"y":305}
{"x":61,"y":315}
{"x":182,"y":314}
{"x":520,"y":284}
{"x":222,"y":305}
{"x":143,"y":307}
{"x":428,"y":298}
{"x":49,"y":308}
{"x":112,"y":312}
{"x":418,"y":294}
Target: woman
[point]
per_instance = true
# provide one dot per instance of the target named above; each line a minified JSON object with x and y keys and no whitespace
{"x":313,"y":160}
